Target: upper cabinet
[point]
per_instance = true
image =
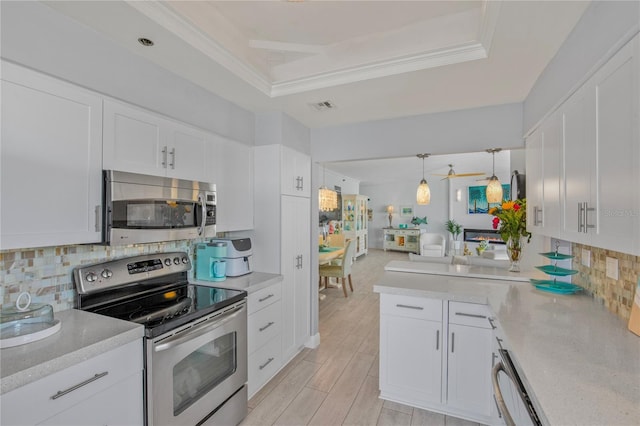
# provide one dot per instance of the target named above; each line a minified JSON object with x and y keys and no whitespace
{"x":543,"y":170}
{"x":597,"y":131}
{"x":51,"y":161}
{"x":139,"y":141}
{"x":295,"y":173}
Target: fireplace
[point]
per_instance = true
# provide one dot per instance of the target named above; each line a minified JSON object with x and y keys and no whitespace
{"x":477,"y":235}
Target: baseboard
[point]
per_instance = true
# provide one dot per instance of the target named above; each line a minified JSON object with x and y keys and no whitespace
{"x":314,"y":341}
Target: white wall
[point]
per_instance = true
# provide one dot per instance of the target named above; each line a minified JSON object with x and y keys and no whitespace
{"x":463,"y":131}
{"x":603,"y":26}
{"x":37,"y":36}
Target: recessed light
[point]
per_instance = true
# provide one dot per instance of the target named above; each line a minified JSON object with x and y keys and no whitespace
{"x":145,"y":42}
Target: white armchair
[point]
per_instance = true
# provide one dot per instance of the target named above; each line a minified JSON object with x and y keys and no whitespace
{"x":432,"y":245}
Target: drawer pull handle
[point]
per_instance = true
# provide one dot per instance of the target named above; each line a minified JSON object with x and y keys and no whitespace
{"x":266,"y":363}
{"x":462,"y":314}
{"x":420,"y":308}
{"x":266,"y":326}
{"x":265,"y":298}
{"x":79,"y":385}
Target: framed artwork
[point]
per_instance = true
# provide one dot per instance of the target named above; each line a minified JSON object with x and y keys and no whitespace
{"x":406,"y":211}
{"x":477,"y":199}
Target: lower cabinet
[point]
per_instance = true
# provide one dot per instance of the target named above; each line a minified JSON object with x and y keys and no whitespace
{"x":264,"y":329}
{"x":437,"y":355}
{"x":84,"y":394}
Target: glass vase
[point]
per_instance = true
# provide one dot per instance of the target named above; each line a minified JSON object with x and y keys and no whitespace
{"x":514,"y":250}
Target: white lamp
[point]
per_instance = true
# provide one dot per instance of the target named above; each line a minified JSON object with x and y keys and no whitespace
{"x":494,"y":188}
{"x":423,"y":195}
{"x":390,"y":211}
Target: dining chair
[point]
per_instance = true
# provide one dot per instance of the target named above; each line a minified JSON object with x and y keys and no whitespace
{"x":341,"y":270}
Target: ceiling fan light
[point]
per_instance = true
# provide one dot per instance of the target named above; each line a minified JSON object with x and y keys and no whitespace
{"x":494,"y":190}
{"x":423,"y":195}
{"x":327,"y":199}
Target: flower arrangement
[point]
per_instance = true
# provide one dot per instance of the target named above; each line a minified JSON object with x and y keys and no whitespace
{"x":511,"y":218}
{"x":454,"y":228}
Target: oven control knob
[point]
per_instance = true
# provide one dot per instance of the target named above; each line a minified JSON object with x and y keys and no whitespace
{"x":176,"y":260}
{"x":167,"y":261}
{"x":107,"y":273}
{"x":91,"y":277}
{"x":185,"y":259}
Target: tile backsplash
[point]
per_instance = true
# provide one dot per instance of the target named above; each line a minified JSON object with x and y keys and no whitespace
{"x":616,"y":295}
{"x":46,"y":273}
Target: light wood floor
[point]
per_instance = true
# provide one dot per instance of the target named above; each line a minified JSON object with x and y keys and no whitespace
{"x":337,"y":383}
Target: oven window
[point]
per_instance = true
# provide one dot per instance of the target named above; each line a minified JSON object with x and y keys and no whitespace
{"x":160,"y":214}
{"x":202,"y":370}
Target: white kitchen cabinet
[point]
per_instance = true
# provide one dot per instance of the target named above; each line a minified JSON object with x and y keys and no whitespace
{"x":543,"y":162}
{"x":282,"y":244}
{"x":50,"y":161}
{"x":295,"y":267}
{"x":436,"y":355}
{"x":106,"y":389}
{"x":264,"y":326}
{"x":234,"y":185}
{"x":296,"y":173}
{"x":139,"y":141}
{"x":469,"y":359}
{"x":617,"y":95}
{"x":411,"y":341}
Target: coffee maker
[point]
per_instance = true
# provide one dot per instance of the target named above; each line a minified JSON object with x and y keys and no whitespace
{"x":211,"y":261}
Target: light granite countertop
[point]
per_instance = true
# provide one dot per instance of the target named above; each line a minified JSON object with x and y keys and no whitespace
{"x":83,"y":335}
{"x":250,"y":283}
{"x":579,"y":361}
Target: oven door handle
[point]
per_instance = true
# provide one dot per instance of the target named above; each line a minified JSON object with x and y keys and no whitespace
{"x":502,"y":406}
{"x":198,"y":330}
{"x":203,"y":205}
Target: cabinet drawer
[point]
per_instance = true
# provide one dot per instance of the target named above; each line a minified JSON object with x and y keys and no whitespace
{"x":264,"y":325}
{"x":264,"y":363}
{"x":472,"y":314}
{"x":33,"y":403}
{"x":411,"y":307}
{"x":264,"y":297}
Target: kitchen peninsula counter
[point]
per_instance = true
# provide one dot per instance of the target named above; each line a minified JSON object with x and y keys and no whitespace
{"x":579,"y":360}
{"x":82,"y":335}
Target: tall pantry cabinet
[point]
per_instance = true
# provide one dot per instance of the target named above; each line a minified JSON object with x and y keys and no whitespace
{"x":282,"y":235}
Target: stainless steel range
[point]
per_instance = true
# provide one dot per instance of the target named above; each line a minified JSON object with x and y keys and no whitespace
{"x":195,"y":336}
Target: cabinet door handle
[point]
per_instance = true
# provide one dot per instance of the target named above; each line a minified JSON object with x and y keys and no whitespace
{"x":580,"y":217}
{"x":265,"y":298}
{"x":98,"y":213}
{"x":420,"y":308}
{"x":266,"y":363}
{"x":173,"y":158}
{"x":462,"y":314}
{"x":587,"y":209}
{"x":493,"y":326}
{"x":493,"y":359}
{"x":79,"y":385}
{"x":164,"y":157}
{"x":266,"y":326}
{"x":499,"y":342}
{"x":437,"y":340}
{"x":453,"y":341}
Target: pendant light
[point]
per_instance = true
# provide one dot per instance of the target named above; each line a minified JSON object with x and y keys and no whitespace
{"x":423,"y":195}
{"x":327,"y":198}
{"x":494,"y":188}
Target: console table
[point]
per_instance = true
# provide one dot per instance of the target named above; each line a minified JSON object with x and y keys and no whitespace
{"x":402,"y":239}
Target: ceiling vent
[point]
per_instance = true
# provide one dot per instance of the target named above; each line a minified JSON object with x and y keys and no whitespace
{"x":323,"y":106}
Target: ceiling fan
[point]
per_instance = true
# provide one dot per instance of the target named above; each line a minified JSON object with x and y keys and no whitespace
{"x":453,"y":174}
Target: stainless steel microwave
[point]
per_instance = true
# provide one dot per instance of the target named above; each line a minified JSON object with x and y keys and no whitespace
{"x":144,"y":209}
